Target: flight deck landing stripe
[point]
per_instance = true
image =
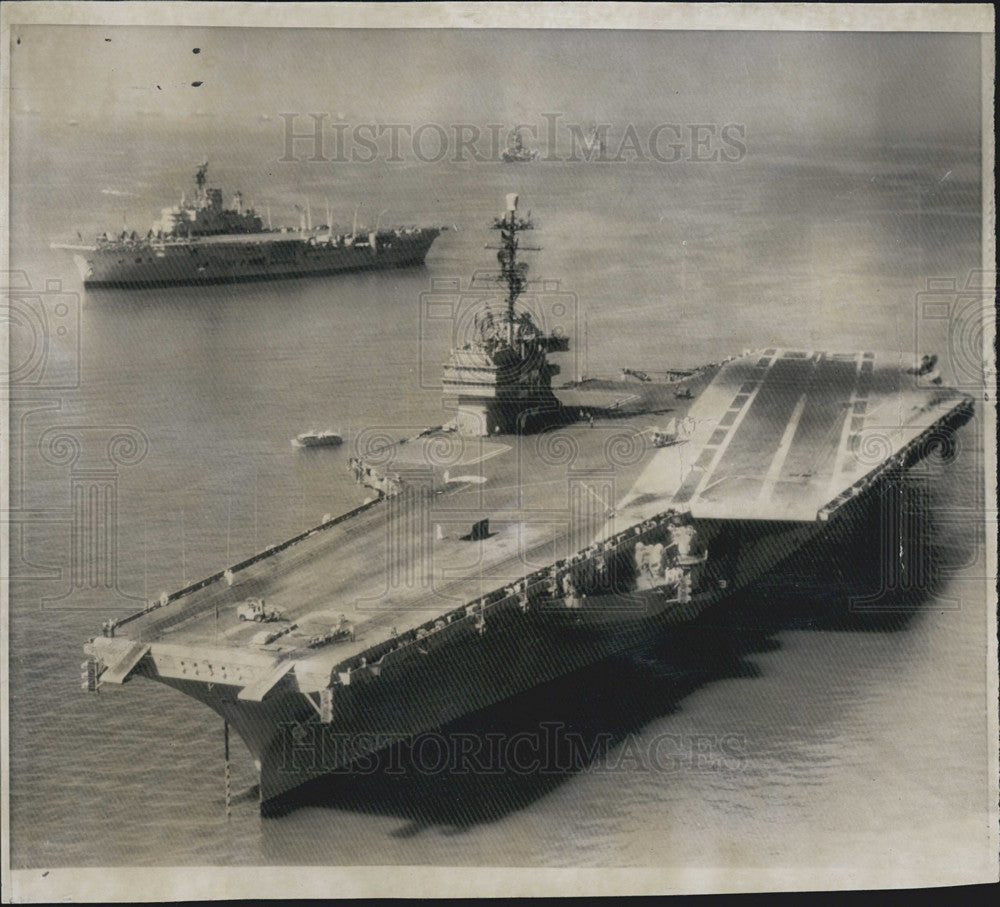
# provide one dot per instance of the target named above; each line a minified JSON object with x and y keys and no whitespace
{"x":784,"y":446}
{"x":746,"y":401}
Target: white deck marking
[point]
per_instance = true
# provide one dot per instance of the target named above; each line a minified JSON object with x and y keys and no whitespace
{"x":734,"y":428}
{"x":608,"y":507}
{"x":501,"y":448}
{"x":771,"y":479}
{"x":833,"y":489}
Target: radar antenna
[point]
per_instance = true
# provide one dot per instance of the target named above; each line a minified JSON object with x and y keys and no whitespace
{"x":512,"y":272}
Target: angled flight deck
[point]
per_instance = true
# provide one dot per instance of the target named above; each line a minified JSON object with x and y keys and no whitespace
{"x":792,"y":435}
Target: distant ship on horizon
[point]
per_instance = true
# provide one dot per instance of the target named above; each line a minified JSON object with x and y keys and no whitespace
{"x":516,"y":152}
{"x":204,"y":242}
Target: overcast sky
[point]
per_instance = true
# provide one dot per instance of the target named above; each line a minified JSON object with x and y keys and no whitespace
{"x":851,"y":84}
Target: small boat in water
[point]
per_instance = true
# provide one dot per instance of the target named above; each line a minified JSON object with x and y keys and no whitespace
{"x":318,"y":439}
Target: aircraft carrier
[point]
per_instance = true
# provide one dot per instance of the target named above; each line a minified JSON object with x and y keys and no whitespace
{"x":202,"y":242}
{"x":542,"y":530}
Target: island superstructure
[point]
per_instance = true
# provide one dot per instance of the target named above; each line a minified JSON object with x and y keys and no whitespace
{"x":501,"y":378}
{"x":543,"y":530}
{"x":202,"y":241}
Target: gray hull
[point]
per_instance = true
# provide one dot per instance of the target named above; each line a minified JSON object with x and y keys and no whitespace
{"x":463,"y":669}
{"x":209,"y":262}
{"x":307,"y":710}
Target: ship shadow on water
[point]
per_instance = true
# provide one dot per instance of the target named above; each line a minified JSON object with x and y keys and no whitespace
{"x":575,"y":723}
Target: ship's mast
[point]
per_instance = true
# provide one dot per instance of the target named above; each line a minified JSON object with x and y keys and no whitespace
{"x":512,"y":273}
{"x":502,"y":381}
{"x":200,"y":178}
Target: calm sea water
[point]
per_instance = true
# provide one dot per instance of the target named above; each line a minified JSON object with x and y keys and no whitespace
{"x":826,"y":741}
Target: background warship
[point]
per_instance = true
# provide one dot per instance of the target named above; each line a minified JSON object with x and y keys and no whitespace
{"x":543,"y":530}
{"x":516,"y":152}
{"x":203,"y":242}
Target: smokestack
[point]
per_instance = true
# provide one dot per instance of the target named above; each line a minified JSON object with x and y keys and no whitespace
{"x":512,"y":201}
